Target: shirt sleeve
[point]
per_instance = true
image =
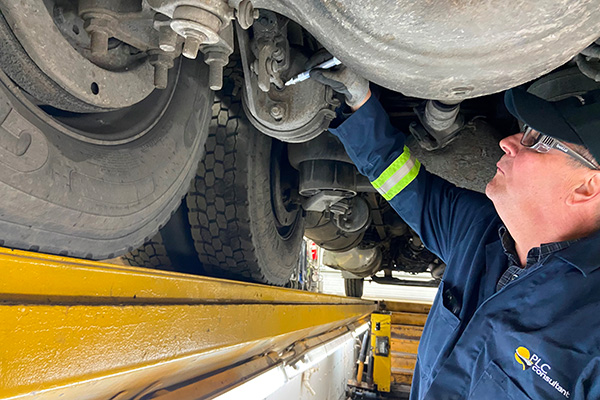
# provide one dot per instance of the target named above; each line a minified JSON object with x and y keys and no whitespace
{"x":437,"y":210}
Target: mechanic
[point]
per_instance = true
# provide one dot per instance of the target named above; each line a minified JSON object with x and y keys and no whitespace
{"x":517,"y":314}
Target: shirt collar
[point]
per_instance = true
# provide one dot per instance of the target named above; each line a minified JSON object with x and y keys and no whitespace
{"x":508,"y":245}
{"x":583,"y":254}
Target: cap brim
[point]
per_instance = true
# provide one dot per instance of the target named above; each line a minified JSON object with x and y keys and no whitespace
{"x":539,"y":114}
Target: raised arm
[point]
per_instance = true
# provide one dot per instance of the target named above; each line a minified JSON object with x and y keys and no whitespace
{"x":437,"y":210}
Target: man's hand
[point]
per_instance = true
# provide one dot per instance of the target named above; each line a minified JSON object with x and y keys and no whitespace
{"x":342,"y":80}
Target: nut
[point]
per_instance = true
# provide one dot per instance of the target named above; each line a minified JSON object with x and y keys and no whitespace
{"x":277,"y":112}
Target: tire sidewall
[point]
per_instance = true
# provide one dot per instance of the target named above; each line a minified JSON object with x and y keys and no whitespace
{"x":278,"y":256}
{"x":66,"y":196}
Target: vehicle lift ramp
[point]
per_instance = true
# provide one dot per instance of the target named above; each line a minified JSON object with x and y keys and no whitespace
{"x":75,"y":329}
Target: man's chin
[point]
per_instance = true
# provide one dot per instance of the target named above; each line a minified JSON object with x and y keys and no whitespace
{"x":490,"y":190}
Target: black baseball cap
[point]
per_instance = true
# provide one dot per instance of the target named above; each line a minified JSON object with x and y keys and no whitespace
{"x":575,"y":119}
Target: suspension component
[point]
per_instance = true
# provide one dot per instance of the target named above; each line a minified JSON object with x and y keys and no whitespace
{"x":198,"y":22}
{"x":246,"y":14}
{"x":439,"y":123}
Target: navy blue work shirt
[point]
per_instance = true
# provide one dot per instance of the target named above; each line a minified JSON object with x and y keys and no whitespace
{"x":538,"y":337}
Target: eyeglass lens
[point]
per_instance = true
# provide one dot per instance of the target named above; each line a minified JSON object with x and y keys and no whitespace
{"x":530,"y":137}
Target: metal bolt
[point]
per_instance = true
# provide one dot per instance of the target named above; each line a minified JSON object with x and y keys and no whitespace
{"x":99,"y":43}
{"x":215,"y":77}
{"x":162,"y":62}
{"x":191,"y":47}
{"x":216,"y":60}
{"x":99,"y":27}
{"x":167,"y":39}
{"x":192,"y":44}
{"x":277,"y":112}
{"x":161,"y":76}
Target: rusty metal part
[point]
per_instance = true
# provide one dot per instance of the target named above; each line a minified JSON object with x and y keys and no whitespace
{"x":246,"y":14}
{"x":100,"y":28}
{"x":198,"y":22}
{"x":162,"y":62}
{"x":197,"y":26}
{"x":108,"y":18}
{"x":271,"y":50}
{"x":307,"y":108}
{"x":74,"y":73}
{"x":169,"y":48}
{"x":167,"y":38}
{"x":128,"y":21}
{"x":217,"y":56}
{"x":277,"y":112}
{"x":449,"y":49}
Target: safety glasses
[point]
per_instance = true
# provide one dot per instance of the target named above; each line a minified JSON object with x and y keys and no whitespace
{"x":544,"y":143}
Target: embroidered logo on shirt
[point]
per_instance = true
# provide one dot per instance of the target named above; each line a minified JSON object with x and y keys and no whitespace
{"x":541,"y":369}
{"x":522,"y":355}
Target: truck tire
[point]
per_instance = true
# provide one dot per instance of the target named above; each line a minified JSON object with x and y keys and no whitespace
{"x":353,"y":287}
{"x":241,"y":225}
{"x":95,"y":185}
{"x":171,"y":249}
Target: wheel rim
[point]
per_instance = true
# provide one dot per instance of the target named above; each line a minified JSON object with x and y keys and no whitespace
{"x":283,"y":181}
{"x":105,"y":127}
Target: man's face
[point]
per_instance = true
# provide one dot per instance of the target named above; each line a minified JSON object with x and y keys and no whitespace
{"x":528,"y":182}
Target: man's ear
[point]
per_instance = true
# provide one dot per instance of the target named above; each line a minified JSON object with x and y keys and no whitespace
{"x":589,"y":190}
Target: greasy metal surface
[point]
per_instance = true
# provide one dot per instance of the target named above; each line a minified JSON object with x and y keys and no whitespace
{"x":449,"y":49}
{"x":90,"y":330}
{"x":52,"y":53}
{"x":303,"y":111}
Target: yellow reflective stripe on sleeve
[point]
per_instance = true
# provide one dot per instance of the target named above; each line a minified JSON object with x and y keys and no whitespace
{"x":398,"y":175}
{"x":412,"y":174}
{"x":392,"y":169}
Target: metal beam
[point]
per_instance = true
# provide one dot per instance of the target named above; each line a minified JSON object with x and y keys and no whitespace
{"x":79,"y":329}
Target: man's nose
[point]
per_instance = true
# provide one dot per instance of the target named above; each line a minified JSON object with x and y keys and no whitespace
{"x":511,"y":144}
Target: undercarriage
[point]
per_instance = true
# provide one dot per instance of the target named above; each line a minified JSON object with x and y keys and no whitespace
{"x":96,"y":91}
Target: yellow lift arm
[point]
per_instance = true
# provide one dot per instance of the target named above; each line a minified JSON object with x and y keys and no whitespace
{"x":78,"y":329}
